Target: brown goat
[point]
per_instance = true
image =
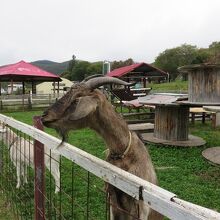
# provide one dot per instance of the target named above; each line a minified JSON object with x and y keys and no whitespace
{"x":84,"y":106}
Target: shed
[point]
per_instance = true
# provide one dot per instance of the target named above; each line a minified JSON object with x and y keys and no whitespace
{"x":48,"y":87}
{"x":139,"y":72}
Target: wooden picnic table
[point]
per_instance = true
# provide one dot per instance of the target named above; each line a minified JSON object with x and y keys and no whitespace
{"x":171,"y":120}
{"x":215,"y":116}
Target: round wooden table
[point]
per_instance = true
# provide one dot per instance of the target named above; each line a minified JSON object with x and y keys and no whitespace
{"x":212,"y":154}
{"x":171,"y":121}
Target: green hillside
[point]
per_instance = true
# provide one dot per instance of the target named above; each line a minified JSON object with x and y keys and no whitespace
{"x":50,"y":66}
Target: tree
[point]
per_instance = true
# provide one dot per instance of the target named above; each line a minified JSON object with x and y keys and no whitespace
{"x":69,"y":71}
{"x":72,"y":63}
{"x":94,"y":68}
{"x":80,"y":71}
{"x":214,"y":49}
{"x":117,"y":64}
{"x":66,"y":74}
{"x":171,"y":59}
{"x":202,"y":55}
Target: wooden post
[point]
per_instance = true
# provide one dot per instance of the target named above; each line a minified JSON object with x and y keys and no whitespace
{"x":23,"y":89}
{"x":58,"y":89}
{"x":203,"y":117}
{"x":11,"y":86}
{"x":39,"y":167}
{"x":171,"y":123}
{"x":1,"y":105}
{"x":22,"y":102}
{"x":193,"y":117}
{"x":54,"y":87}
{"x":29,"y":101}
{"x":213,"y":120}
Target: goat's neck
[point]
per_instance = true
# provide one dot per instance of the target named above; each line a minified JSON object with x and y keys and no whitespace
{"x":112,"y":128}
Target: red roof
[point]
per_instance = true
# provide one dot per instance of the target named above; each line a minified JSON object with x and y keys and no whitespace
{"x":126,"y":69}
{"x":25,"y":71}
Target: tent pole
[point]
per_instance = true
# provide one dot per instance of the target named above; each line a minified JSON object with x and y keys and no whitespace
{"x":58,"y":89}
{"x":23,"y":89}
{"x":54,"y":85}
{"x":11,"y":86}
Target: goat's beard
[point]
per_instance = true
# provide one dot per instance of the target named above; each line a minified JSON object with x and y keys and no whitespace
{"x":63,"y":134}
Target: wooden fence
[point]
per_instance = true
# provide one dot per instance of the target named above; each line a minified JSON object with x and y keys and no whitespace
{"x":27,"y":101}
{"x":159,"y":199}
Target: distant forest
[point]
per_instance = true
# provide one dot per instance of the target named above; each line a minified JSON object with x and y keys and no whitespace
{"x":168,"y":60}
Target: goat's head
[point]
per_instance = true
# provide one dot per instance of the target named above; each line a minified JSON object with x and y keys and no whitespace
{"x":77,"y":105}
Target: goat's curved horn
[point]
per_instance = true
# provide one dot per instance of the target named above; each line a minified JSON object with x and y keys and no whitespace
{"x":92,"y":76}
{"x":96,"y":82}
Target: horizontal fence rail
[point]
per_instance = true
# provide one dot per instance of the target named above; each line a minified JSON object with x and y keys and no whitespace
{"x":156,"y":197}
{"x":27,"y":101}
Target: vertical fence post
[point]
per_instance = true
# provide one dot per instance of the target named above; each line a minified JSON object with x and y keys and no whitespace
{"x":39,"y":167}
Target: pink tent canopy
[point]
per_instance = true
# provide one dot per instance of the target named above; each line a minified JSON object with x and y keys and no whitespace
{"x":26,"y":72}
{"x":23,"y":71}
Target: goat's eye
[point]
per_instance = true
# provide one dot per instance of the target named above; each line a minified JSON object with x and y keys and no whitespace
{"x":44,"y":114}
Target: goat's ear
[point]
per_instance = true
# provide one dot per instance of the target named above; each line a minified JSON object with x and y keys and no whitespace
{"x":85,"y":106}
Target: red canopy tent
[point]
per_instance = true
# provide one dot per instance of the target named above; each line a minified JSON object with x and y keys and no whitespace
{"x":26,"y":72}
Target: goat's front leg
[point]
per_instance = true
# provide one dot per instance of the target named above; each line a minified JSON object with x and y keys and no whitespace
{"x":18,"y":177}
{"x":56,"y":174}
{"x":24,"y":173}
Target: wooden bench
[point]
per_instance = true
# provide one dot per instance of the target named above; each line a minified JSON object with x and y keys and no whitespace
{"x":199,"y":114}
{"x":215,"y":111}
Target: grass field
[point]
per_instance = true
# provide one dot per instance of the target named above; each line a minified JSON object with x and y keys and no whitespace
{"x":177,"y":86}
{"x":182,"y":171}
{"x":5,"y":208}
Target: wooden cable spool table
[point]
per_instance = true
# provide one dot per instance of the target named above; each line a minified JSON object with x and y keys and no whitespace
{"x":204,"y":89}
{"x":171,"y":121}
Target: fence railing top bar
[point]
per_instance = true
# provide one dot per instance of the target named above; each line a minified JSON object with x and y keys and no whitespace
{"x":158,"y":198}
{"x":210,"y":214}
{"x":179,"y":209}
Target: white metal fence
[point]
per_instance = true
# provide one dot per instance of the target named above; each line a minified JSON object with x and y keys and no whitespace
{"x":159,"y":199}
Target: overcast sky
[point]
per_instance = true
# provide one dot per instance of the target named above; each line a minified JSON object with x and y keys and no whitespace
{"x":96,"y":30}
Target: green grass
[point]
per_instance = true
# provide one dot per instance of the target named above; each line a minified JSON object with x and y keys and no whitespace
{"x":180,"y":170}
{"x":177,"y":86}
{"x":5,"y":208}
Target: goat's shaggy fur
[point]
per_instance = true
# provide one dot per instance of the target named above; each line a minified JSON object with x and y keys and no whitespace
{"x":22,"y":155}
{"x":83,"y":107}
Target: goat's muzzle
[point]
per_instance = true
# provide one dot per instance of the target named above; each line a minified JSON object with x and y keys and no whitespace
{"x":47,"y":119}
